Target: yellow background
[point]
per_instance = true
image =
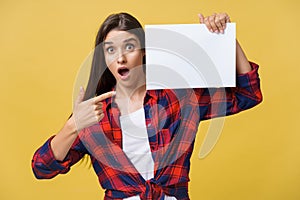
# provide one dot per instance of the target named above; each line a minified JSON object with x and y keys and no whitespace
{"x":43,"y":43}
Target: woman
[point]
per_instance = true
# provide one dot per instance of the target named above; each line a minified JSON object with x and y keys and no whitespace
{"x":140,"y":142}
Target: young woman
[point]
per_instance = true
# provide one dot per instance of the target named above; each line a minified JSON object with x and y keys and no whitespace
{"x":140,"y":142}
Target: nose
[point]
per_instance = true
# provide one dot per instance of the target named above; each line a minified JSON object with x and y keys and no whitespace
{"x":121,"y":59}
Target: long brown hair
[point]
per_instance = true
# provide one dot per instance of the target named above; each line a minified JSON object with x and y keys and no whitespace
{"x":101,"y":79}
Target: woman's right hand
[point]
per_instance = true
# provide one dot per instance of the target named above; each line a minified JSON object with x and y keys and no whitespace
{"x":89,"y":112}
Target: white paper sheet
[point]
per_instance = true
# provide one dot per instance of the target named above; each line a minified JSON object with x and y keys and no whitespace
{"x":189,"y":56}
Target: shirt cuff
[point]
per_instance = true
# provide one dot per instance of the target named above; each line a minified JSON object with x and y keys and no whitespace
{"x":249,"y":78}
{"x":48,"y":157}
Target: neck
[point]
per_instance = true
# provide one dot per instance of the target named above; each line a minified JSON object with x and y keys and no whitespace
{"x":132,"y":94}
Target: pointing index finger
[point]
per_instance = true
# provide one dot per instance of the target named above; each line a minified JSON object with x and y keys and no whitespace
{"x":106,"y":95}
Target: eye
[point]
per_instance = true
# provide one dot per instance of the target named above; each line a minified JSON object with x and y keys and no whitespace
{"x":129,"y":47}
{"x":110,"y":50}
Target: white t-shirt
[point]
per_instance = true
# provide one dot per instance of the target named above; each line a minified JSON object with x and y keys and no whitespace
{"x":136,"y":145}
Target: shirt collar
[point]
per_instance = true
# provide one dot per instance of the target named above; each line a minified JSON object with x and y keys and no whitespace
{"x":110,"y":102}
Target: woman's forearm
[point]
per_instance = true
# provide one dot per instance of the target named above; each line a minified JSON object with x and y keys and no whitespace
{"x":64,"y":139}
{"x":242,"y":64}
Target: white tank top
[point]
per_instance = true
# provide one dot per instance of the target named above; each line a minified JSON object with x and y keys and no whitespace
{"x":136,"y":145}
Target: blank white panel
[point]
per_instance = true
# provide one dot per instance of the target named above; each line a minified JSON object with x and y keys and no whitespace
{"x":189,"y":56}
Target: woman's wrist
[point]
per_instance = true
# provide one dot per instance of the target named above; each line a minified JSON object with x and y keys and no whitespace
{"x":71,"y":126}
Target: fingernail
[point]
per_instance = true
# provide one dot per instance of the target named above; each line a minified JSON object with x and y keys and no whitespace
{"x":211,"y":30}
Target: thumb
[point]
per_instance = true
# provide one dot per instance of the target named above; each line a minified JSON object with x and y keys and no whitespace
{"x":201,"y":18}
{"x":80,"y":96}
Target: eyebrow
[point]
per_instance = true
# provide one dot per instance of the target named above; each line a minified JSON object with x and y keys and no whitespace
{"x":127,"y":40}
{"x":130,"y":39}
{"x":105,"y":43}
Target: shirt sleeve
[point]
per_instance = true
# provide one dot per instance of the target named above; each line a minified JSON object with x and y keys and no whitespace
{"x":44,"y":164}
{"x":218,"y":102}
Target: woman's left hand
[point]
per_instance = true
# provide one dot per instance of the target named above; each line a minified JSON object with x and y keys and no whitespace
{"x":216,"y":23}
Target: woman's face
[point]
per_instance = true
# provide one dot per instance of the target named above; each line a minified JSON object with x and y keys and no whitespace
{"x":123,"y":56}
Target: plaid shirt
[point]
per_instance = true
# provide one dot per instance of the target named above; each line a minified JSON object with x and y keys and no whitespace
{"x":172,"y":119}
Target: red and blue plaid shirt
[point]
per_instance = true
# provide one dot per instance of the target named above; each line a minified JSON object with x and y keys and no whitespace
{"x":172,"y":119}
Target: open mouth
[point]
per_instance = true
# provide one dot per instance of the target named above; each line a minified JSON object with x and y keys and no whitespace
{"x":123,"y":72}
